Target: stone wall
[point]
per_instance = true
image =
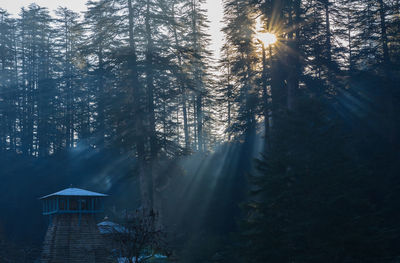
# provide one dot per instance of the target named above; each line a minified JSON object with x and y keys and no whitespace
{"x":71,"y":238}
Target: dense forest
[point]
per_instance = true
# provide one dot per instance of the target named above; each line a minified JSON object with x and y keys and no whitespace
{"x":279,"y":152}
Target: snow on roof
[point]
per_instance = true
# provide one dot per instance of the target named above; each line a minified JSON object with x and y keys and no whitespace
{"x":108,"y":227}
{"x":75,"y":192}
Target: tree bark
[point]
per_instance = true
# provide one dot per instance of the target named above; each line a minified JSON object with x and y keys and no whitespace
{"x":384,"y":38}
{"x":197,"y":79}
{"x":328,"y":32}
{"x":138,"y":114}
{"x":293,"y":57}
{"x":181,"y":81}
{"x":150,"y":84}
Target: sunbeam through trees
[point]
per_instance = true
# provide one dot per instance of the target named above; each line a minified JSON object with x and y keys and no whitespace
{"x":282,"y":146}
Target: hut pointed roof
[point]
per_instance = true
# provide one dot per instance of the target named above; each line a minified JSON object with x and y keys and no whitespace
{"x":75,"y":192}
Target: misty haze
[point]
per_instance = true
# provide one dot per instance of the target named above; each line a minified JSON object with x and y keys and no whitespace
{"x":200,"y":131}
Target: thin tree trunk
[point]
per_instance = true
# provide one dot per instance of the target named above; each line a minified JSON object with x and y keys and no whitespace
{"x":328,"y":32}
{"x":265,"y":99}
{"x":349,"y":41}
{"x":230,"y":87}
{"x":150,"y":84}
{"x":181,"y":81}
{"x":197,"y":77}
{"x":384,"y":38}
{"x":389,"y":99}
{"x":293,"y":57}
{"x":145,"y":188}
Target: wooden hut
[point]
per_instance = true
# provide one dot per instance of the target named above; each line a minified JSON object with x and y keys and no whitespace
{"x":73,"y":235}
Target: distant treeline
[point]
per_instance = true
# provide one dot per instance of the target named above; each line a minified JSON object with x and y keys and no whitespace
{"x":130,"y":75}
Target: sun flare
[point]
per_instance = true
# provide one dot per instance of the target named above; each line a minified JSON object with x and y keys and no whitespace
{"x":267,"y":38}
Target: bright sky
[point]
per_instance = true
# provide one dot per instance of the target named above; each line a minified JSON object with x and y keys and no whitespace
{"x":14,"y":6}
{"x":214,"y":7}
{"x":215,"y":15}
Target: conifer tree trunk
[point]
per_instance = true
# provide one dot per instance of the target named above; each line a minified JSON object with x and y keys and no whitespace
{"x":328,"y":32}
{"x":265,"y":98}
{"x":229,"y":95}
{"x":350,"y":43}
{"x":181,"y":81}
{"x":138,"y":115}
{"x":101,"y":96}
{"x":150,"y":84}
{"x":384,"y":37}
{"x":293,"y":56}
{"x":16,"y":86}
{"x":197,"y":78}
{"x":389,"y":98}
